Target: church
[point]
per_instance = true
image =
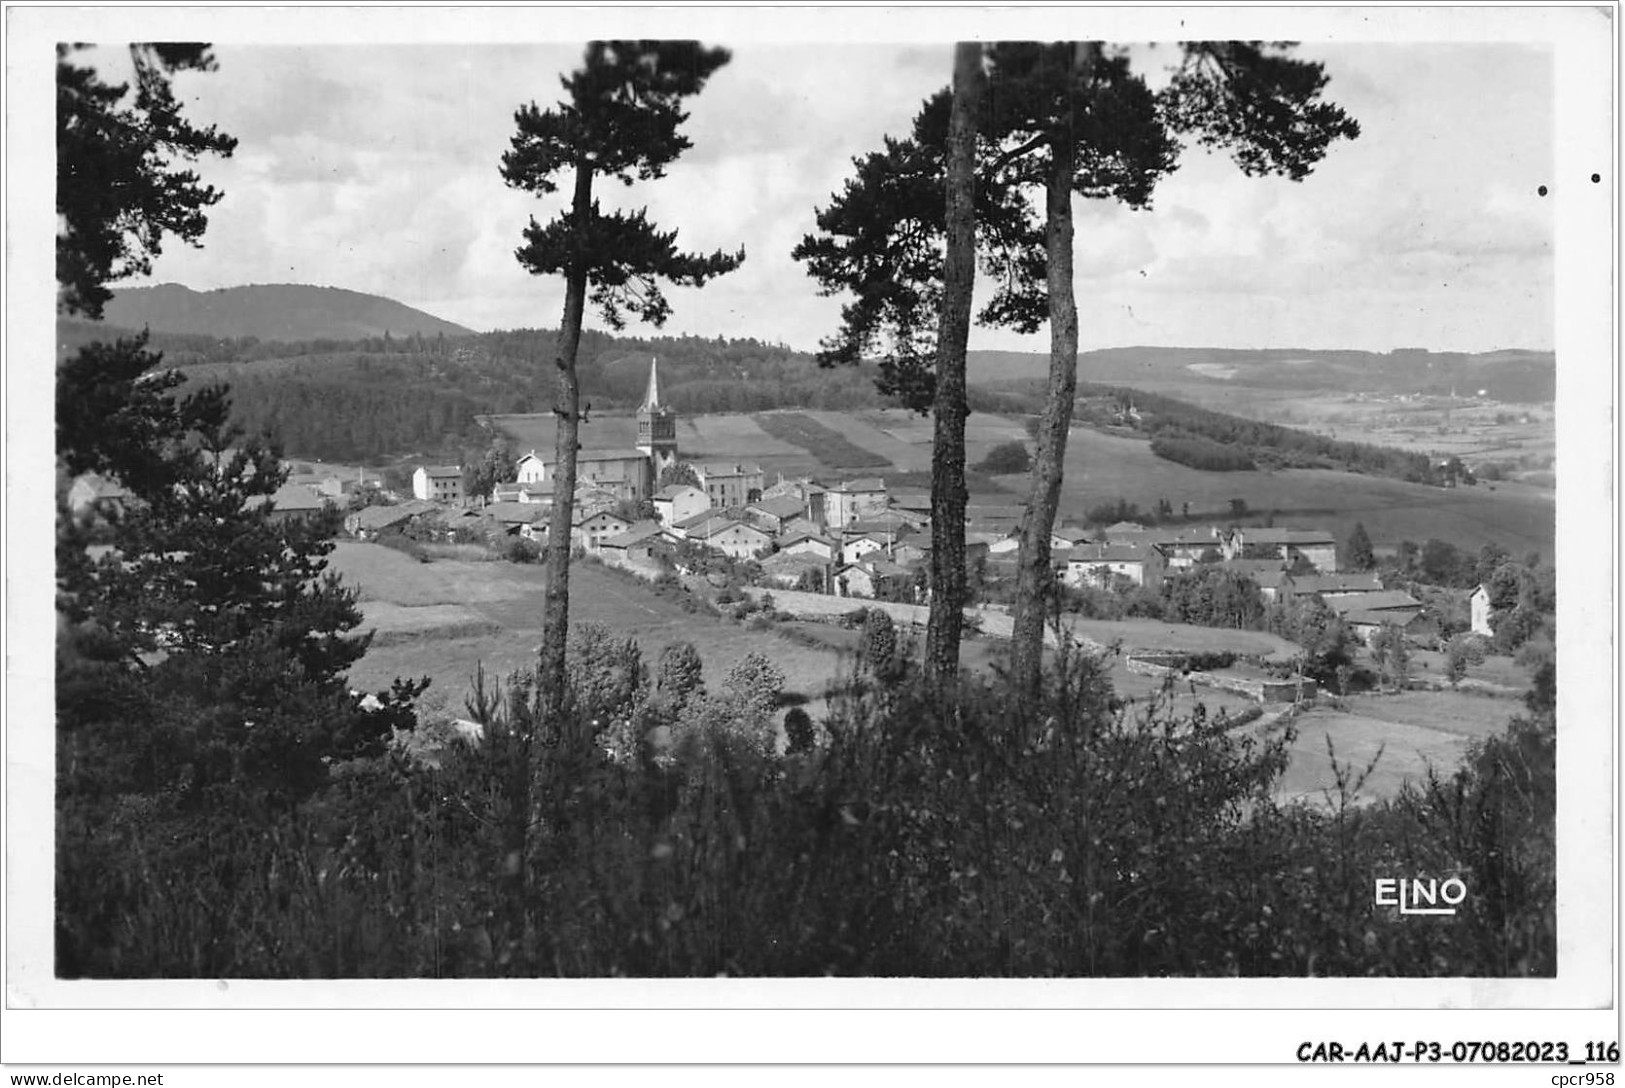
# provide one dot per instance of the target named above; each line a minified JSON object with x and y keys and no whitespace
{"x":629,"y":473}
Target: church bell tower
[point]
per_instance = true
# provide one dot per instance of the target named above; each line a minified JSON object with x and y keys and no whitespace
{"x":657,"y":427}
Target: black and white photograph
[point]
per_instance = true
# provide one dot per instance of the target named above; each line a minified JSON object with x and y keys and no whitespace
{"x":814,"y":509}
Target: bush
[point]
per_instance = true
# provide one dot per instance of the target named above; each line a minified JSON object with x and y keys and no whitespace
{"x":1006,"y":459}
{"x":959,"y":830}
{"x":517,"y":549}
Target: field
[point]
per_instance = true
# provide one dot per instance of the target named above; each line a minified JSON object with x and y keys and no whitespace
{"x":441,"y":619}
{"x":1472,"y":429}
{"x":1414,"y":731}
{"x":826,"y":443}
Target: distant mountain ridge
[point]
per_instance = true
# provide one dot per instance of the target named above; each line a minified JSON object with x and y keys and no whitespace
{"x":1514,"y":374}
{"x":272,"y":311}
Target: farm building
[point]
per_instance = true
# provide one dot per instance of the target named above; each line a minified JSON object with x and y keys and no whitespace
{"x":1097,"y":564}
{"x":1478,"y":605}
{"x":1336,"y":585}
{"x":730,"y":484}
{"x":1316,"y":547}
{"x":95,"y":492}
{"x":512,"y":517}
{"x":438,"y":483}
{"x":290,"y":502}
{"x":679,"y":502}
{"x":876,"y":579}
{"x":368,"y":522}
{"x":810,"y":544}
{"x":1367,"y":613}
{"x":639,"y":545}
{"x":528,"y":492}
{"x":738,"y":539}
{"x":853,"y":500}
{"x":775,"y":513}
{"x":593,"y":529}
{"x":1067,"y":537}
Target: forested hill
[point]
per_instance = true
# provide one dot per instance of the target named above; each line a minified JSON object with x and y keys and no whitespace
{"x":423,"y":395}
{"x":1511,"y":376}
{"x":272,"y":311}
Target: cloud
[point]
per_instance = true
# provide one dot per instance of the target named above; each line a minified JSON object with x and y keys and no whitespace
{"x":376,"y":168}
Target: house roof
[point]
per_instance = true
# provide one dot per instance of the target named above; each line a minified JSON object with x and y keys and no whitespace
{"x":723,"y":525}
{"x":1109,"y":553}
{"x":382,"y":517}
{"x":1374,"y":602}
{"x":101,"y":487}
{"x":1126,"y":527}
{"x":602,"y":515}
{"x":289,"y":497}
{"x":886,"y":525}
{"x":637,"y":534}
{"x":694,"y":521}
{"x":863,"y":483}
{"x":797,"y":538}
{"x":440,"y":472}
{"x":1251,"y":567}
{"x":1266,"y":535}
{"x":883,"y":568}
{"x":672,"y":491}
{"x":1365,"y":582}
{"x":1378,"y":619}
{"x":514,"y":513}
{"x":783,"y":506}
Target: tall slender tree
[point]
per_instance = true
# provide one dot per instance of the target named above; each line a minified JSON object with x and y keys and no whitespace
{"x":619,"y":119}
{"x":949,"y":497}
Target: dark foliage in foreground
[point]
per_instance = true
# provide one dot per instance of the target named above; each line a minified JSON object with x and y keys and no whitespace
{"x":931,"y":833}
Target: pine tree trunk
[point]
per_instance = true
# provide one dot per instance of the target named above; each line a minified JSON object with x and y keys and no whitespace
{"x":1035,"y":579}
{"x":567,"y":409}
{"x":948,"y":493}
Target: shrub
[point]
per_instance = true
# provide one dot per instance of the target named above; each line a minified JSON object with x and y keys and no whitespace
{"x":518,"y":549}
{"x":1007,"y":458}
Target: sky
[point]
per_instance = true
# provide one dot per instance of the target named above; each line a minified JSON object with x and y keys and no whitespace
{"x":372,"y":165}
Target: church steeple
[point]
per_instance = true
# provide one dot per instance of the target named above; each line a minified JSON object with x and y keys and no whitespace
{"x":651,"y":398}
{"x":657,"y":427}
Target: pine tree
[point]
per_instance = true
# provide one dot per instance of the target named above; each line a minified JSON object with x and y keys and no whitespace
{"x":201,"y":644}
{"x":1360,"y":554}
{"x":117,"y":193}
{"x":620,"y":119}
{"x":1064,"y":118}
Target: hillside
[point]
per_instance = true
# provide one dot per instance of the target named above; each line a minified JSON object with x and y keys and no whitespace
{"x":277,"y":311}
{"x":1511,"y":376}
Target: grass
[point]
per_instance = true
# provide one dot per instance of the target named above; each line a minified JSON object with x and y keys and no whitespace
{"x":1457,"y":713}
{"x":442,"y":619}
{"x":1407,"y":752}
{"x":1156,"y":635}
{"x":832,"y":447}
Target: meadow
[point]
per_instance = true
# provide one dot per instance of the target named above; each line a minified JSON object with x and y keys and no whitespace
{"x":443,"y":619}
